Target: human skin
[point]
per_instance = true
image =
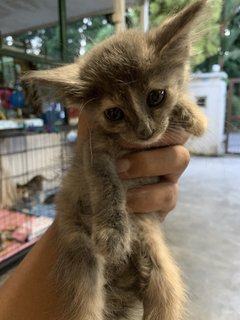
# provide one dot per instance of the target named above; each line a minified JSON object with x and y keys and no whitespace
{"x":29,"y":293}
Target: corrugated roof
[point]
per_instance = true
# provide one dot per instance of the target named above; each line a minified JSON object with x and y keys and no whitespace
{"x":21,"y":15}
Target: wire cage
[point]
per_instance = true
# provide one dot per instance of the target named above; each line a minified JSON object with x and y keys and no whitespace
{"x":31,"y":168}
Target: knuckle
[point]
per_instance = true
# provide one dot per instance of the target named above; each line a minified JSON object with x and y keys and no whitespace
{"x":162,"y":215}
{"x":183,"y":158}
{"x":171,"y":197}
{"x":172,"y":205}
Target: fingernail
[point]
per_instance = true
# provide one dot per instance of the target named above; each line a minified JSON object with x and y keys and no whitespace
{"x":123,"y":165}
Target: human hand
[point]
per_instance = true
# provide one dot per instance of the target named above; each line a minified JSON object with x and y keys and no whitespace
{"x":168,"y":161}
{"x":165,"y":162}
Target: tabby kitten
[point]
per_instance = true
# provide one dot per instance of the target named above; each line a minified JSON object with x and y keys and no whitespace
{"x":32,"y":188}
{"x":113,"y":264}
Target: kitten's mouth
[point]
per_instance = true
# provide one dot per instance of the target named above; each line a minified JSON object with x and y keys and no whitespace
{"x":149,"y":144}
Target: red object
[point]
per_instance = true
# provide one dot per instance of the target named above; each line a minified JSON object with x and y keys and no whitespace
{"x":5,"y":95}
{"x":73,"y":112}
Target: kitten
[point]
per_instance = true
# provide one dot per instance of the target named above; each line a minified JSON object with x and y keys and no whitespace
{"x":32,"y":189}
{"x":113,"y":264}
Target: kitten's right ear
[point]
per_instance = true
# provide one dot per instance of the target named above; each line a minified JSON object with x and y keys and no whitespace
{"x":62,"y":82}
{"x":172,"y":39}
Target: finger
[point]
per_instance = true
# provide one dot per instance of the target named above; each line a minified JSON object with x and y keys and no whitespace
{"x":158,"y":162}
{"x":174,"y":175}
{"x":155,"y":197}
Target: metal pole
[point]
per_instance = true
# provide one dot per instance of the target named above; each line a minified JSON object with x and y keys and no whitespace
{"x":119,"y":15}
{"x":62,"y":28}
{"x":144,"y":19}
{"x":230,"y":94}
{"x":1,"y":39}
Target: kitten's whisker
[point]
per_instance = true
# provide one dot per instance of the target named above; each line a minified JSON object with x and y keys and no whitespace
{"x":172,"y":130}
{"x":84,"y":105}
{"x":178,"y":123}
{"x":91,"y":40}
{"x":89,"y":129}
{"x":130,"y":82}
{"x":168,"y":136}
{"x":176,"y":129}
{"x":172,"y":133}
{"x":90,"y":145}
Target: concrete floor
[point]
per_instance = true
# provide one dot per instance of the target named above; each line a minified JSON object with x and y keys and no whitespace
{"x":204,"y":234}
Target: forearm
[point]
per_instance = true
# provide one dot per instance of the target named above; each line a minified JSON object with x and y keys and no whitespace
{"x":29,"y":294}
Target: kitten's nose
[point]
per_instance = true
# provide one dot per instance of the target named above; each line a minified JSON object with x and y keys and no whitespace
{"x":145,"y":133}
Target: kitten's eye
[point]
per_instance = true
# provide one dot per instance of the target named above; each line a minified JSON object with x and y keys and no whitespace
{"x":155,"y":98}
{"x":114,"y":114}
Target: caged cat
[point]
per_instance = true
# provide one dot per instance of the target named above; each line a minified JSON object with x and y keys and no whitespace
{"x":113,"y":264}
{"x":32,"y":189}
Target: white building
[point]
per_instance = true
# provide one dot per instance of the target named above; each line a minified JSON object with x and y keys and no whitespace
{"x":209,"y":91}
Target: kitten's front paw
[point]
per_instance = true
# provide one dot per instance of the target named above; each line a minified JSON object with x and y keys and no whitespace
{"x":199,"y":125}
{"x":190,"y":117}
{"x":113,"y":243}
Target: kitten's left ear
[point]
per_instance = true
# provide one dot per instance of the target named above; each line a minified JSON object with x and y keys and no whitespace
{"x":59,"y":83}
{"x":172,"y":39}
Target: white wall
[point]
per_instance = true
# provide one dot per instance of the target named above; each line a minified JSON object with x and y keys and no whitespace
{"x":212,"y":87}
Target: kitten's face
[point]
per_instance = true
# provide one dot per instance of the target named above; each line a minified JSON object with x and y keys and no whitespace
{"x":134,"y":92}
{"x":137,"y":117}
